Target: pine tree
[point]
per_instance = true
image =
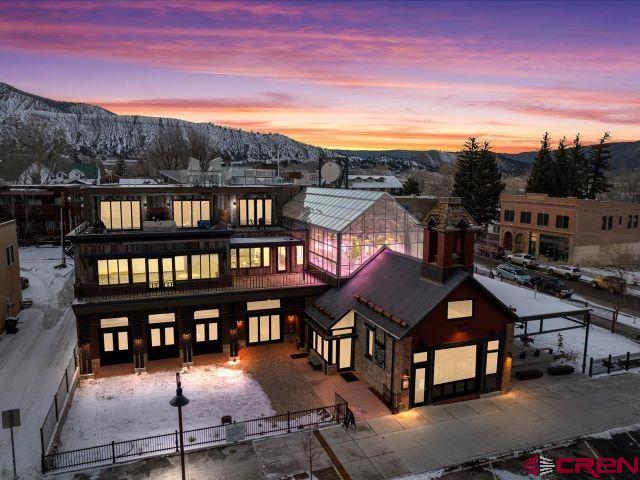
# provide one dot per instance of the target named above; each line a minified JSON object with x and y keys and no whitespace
{"x":563,"y":170}
{"x":542,"y":178}
{"x":598,"y":165}
{"x":487,"y":187}
{"x":465,"y":174}
{"x":579,"y":182}
{"x":411,"y":187}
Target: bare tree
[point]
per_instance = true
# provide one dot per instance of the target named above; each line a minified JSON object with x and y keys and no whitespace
{"x":311,"y":449}
{"x":169,"y":150}
{"x":199,"y":145}
{"x":617,"y":293}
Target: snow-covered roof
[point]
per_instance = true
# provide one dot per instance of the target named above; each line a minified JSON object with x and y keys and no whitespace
{"x":374,"y":181}
{"x":137,"y":181}
{"x":528,"y":304}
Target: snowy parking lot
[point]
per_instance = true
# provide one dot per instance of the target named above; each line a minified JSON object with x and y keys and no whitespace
{"x":137,"y":405}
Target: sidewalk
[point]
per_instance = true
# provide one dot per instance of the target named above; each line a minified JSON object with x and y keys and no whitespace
{"x":432,"y":437}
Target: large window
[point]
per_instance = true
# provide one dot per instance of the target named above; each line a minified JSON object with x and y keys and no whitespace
{"x":113,"y":272}
{"x":453,"y":364}
{"x":121,"y":215}
{"x":205,"y":266}
{"x":255,"y":211}
{"x":138,"y":270}
{"x":249,"y":257}
{"x":493,"y":348}
{"x":282,"y":259}
{"x":460,"y":309}
{"x":299,"y":255}
{"x":525,"y":217}
{"x":186,"y":213}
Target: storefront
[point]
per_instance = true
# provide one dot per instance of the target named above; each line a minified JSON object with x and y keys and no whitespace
{"x":115,"y":341}
{"x":162,"y":338}
{"x":264,"y":320}
{"x":454,"y":371}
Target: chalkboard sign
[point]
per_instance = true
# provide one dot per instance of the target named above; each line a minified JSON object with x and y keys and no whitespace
{"x":236,"y":432}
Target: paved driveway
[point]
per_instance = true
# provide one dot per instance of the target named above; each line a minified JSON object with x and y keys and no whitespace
{"x":431,"y":437}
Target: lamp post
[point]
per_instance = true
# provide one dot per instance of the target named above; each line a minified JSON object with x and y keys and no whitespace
{"x":180,"y":401}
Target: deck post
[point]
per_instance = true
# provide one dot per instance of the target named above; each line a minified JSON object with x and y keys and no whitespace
{"x":628,"y":361}
{"x":586,"y":344}
{"x":609,"y":365}
{"x":288,"y":422}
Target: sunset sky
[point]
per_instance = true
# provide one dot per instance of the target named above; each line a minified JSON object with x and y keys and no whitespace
{"x":374,"y":75}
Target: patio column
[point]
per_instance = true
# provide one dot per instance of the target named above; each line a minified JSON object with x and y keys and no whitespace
{"x":507,"y":359}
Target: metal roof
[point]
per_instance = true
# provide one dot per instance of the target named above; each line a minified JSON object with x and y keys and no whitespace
{"x":330,"y":208}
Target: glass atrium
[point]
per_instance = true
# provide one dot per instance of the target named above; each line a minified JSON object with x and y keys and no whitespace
{"x":347,"y":227}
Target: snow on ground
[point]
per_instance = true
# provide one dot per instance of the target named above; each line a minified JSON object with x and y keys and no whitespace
{"x":630,"y":274}
{"x":606,"y":312}
{"x":601,"y":341}
{"x":32,"y":361}
{"x":132,"y":406}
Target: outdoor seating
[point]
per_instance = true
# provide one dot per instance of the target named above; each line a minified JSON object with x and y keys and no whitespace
{"x":529,"y":374}
{"x":556,"y":370}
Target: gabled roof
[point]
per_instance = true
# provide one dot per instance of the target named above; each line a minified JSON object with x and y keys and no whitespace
{"x":449,"y":214}
{"x":89,"y":171}
{"x":330,"y":208}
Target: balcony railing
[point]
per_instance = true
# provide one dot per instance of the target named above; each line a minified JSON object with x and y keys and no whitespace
{"x":226,"y":283}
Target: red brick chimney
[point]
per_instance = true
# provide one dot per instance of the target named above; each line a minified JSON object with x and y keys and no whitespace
{"x":449,"y":236}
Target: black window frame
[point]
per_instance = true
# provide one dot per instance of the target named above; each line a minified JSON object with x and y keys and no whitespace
{"x":509,"y":215}
{"x":525,"y":217}
{"x":10,"y":254}
{"x":368,"y":329}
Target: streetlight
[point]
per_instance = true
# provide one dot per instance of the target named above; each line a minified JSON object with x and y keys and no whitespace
{"x":180,"y":401}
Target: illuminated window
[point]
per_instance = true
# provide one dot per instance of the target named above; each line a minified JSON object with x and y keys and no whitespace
{"x":181,"y":269}
{"x":255,"y":211}
{"x":249,"y":257}
{"x":256,"y":257}
{"x":282,"y":259}
{"x":138,"y":270}
{"x":371,"y":338}
{"x":299,"y":255}
{"x":113,"y":272}
{"x":121,"y":215}
{"x":205,"y":266}
{"x":245,"y":258}
{"x":266,"y":257}
{"x":420,"y":357}
{"x":453,"y":364}
{"x":233,"y":258}
{"x":493,"y":348}
{"x":460,"y":309}
{"x":186,"y":213}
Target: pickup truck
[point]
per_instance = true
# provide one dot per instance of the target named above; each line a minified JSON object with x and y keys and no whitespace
{"x":523,"y":259}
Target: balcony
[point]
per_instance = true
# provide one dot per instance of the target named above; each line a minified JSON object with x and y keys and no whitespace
{"x":224,"y":284}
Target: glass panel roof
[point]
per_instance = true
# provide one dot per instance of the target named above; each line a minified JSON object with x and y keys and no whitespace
{"x":330,"y":208}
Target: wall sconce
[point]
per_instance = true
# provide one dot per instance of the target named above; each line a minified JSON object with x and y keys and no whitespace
{"x":138,"y":342}
{"x":291,"y":318}
{"x":509,"y":354}
{"x":405,"y":380}
{"x":238,"y":324}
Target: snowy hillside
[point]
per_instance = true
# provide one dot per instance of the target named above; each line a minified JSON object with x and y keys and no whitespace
{"x":96,"y":132}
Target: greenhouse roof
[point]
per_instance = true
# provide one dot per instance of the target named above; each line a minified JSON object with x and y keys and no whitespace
{"x":330,"y":208}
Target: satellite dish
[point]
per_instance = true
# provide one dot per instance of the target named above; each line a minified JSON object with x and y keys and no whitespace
{"x":330,"y":172}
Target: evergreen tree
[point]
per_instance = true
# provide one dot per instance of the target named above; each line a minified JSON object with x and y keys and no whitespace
{"x":465,"y":175}
{"x":563,"y":171}
{"x":487,"y":187}
{"x":578,"y":159}
{"x":411,"y":187}
{"x":598,"y":165}
{"x":121,"y":167}
{"x":542,"y":178}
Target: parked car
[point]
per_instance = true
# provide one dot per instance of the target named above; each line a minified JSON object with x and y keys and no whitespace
{"x":523,"y":259}
{"x":610,"y":284}
{"x":24,"y":282}
{"x":552,"y":285}
{"x":492,"y":251}
{"x":566,"y":271}
{"x":512,"y":272}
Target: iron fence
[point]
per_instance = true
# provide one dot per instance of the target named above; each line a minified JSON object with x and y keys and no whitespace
{"x":613,"y":363}
{"x":200,"y":437}
{"x":51,"y":422}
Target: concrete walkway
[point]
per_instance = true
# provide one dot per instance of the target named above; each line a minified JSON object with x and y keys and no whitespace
{"x":431,"y":437}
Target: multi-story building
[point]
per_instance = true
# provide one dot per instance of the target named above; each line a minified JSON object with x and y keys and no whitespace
{"x":177,"y":272}
{"x":585,"y":232}
{"x":10,"y":287}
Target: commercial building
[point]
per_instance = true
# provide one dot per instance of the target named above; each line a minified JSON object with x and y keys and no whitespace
{"x":577,"y":231}
{"x":10,"y":287}
{"x":177,"y":272}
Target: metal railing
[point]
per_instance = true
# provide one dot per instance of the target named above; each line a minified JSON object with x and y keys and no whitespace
{"x":200,"y":437}
{"x":52,"y":421}
{"x":613,"y":363}
{"x":224,"y":283}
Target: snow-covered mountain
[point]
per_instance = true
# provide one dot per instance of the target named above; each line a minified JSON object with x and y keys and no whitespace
{"x":96,"y":132}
